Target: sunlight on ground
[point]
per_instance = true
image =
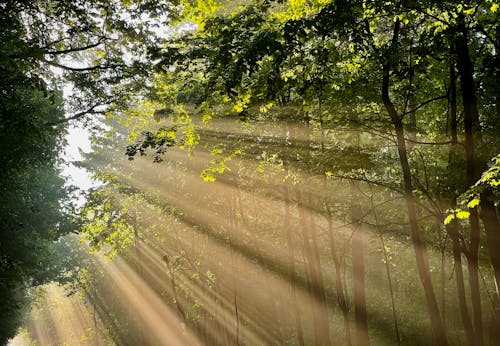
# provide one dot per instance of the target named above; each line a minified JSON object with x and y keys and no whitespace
{"x":63,"y":320}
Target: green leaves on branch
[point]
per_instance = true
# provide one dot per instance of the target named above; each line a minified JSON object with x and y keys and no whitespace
{"x":218,"y":165}
{"x":163,"y":138}
{"x":105,"y":226}
{"x":486,"y":187}
{"x":456,"y":214}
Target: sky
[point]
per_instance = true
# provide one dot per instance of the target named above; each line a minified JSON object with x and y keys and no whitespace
{"x":78,"y":141}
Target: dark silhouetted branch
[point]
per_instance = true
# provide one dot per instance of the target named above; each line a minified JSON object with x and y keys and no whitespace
{"x":91,"y":110}
{"x":84,"y":69}
{"x":425,"y":103}
{"x":76,"y":49}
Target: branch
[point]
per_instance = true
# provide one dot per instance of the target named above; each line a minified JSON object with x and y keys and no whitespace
{"x":83,"y":69}
{"x":410,"y":82}
{"x":55,"y":42}
{"x":91,"y":110}
{"x":425,"y":13}
{"x":77,"y":49}
{"x":424,"y":103}
{"x":366,"y":180}
{"x":386,"y":68}
{"x":428,"y":143}
{"x":436,"y":211}
{"x":488,"y":36}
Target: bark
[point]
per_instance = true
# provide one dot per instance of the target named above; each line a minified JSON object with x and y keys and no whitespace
{"x":453,"y":101}
{"x":339,"y":282}
{"x":472,"y":132}
{"x":497,"y":71}
{"x":94,"y":316}
{"x":275,"y":319}
{"x":173,"y":286}
{"x":387,"y":271}
{"x":491,"y":220}
{"x":233,"y":240}
{"x":391,"y":290}
{"x":358,"y":271}
{"x":492,"y":228}
{"x":452,"y":228}
{"x":317,"y":288}
{"x":138,"y":263}
{"x":443,"y":281}
{"x":418,"y":245}
{"x":412,"y":124}
{"x":291,"y":265}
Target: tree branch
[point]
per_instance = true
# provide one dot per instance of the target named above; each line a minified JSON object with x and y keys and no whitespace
{"x":366,"y":180}
{"x":91,"y":110}
{"x":84,"y":69}
{"x":425,"y":103}
{"x":72,"y":50}
{"x":427,"y":143}
{"x":486,"y":34}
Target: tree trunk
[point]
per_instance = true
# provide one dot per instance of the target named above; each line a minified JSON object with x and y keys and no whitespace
{"x":387,"y":271}
{"x":274,"y":324}
{"x":339,"y":282}
{"x":173,"y":286}
{"x":291,"y":264}
{"x":453,"y":100}
{"x":452,"y":228}
{"x":492,"y":228}
{"x":139,"y":270}
{"x":418,"y":246}
{"x":472,"y":131}
{"x":317,"y":288}
{"x":233,"y":239}
{"x":358,"y":270}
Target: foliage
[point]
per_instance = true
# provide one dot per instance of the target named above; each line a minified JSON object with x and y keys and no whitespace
{"x":486,"y":187}
{"x":309,"y":113}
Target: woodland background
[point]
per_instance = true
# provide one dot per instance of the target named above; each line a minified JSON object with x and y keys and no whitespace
{"x":270,"y":172}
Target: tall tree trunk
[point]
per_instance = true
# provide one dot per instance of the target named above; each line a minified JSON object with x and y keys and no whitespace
{"x":358,"y":270}
{"x":453,"y":100}
{"x":491,"y":219}
{"x":418,"y":246}
{"x":173,"y":286}
{"x":357,"y":253}
{"x":291,"y":263}
{"x":275,"y":319}
{"x":94,"y":316}
{"x":387,"y":270}
{"x":492,"y":228}
{"x":472,"y":131}
{"x":452,"y":228}
{"x":339,"y":282}
{"x":138,"y":264}
{"x":234,"y":265}
{"x":317,"y":288}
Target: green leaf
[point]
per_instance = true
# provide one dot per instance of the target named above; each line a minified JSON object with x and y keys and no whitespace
{"x":208,"y":176}
{"x":449,"y":218}
{"x":494,"y":182}
{"x":463,"y":214}
{"x":474,"y":203}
